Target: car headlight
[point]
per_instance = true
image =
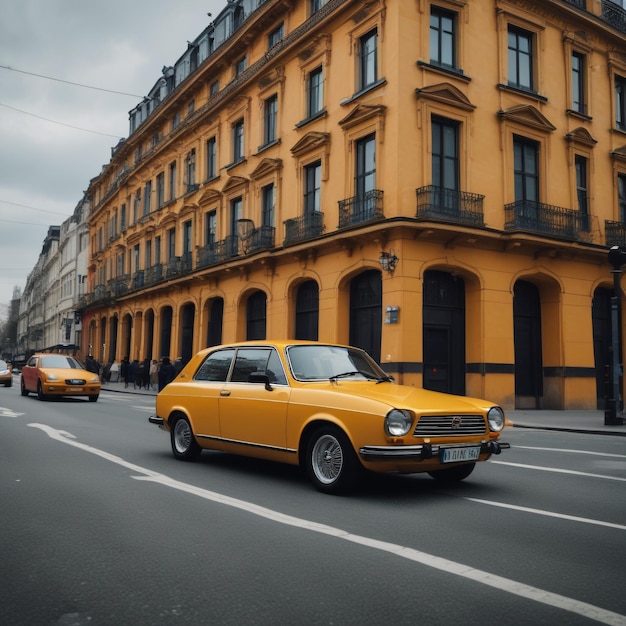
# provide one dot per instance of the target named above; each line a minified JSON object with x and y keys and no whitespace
{"x":495,"y":417}
{"x":94,"y":379}
{"x":398,"y":422}
{"x":51,"y":378}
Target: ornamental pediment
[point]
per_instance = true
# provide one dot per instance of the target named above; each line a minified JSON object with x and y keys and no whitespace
{"x":362,"y":113}
{"x":619,"y":154}
{"x":447,"y":94}
{"x":265,"y":167}
{"x":310,"y":141}
{"x":527,"y":115}
{"x":234,"y":182}
{"x":210,"y":195}
{"x":581,"y":135}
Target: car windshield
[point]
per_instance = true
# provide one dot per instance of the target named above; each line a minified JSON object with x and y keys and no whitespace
{"x":320,"y":362}
{"x":60,"y":361}
{"x":3,"y":365}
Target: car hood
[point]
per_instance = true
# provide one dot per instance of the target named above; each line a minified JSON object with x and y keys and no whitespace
{"x":403,"y":397}
{"x":64,"y":373}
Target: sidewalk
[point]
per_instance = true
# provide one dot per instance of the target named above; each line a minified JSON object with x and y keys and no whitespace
{"x":591,"y":422}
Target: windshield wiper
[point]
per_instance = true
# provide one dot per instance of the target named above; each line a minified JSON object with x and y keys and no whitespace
{"x":345,"y":375}
{"x":385,"y":379}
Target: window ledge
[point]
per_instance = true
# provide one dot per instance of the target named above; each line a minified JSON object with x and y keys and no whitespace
{"x":312,"y":118}
{"x":442,"y":69}
{"x":582,"y":116}
{"x":358,"y":94}
{"x":235,"y":163}
{"x":523,"y":92}
{"x":265,"y":146}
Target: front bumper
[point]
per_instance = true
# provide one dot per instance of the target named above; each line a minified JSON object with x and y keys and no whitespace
{"x":425,"y":451}
{"x":69,"y":390}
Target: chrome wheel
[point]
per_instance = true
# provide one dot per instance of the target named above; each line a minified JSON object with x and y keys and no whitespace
{"x":330,"y":460}
{"x":327,"y":459}
{"x":184,"y":444}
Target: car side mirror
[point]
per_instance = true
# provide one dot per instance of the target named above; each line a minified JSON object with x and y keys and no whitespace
{"x":260,"y":377}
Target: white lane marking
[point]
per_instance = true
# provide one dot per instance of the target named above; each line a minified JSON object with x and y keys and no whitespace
{"x":145,"y":407}
{"x":452,"y":567}
{"x":4,"y":412}
{"x":619,"y":456}
{"x":525,"y":509}
{"x":559,"y":471}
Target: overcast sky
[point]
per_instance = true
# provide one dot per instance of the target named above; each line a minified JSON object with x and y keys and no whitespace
{"x":54,"y":136}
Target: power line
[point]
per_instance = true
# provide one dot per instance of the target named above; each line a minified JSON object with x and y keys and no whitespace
{"x":25,"y":206}
{"x":68,"y":82}
{"x":85,"y":130}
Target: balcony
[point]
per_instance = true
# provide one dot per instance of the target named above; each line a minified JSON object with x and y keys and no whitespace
{"x":138,"y":280}
{"x":217,"y":252}
{"x":307,"y":226}
{"x":450,"y":205}
{"x":367,"y":207}
{"x":543,"y":219}
{"x":153,"y":275}
{"x":614,"y":15}
{"x":261,"y":238}
{"x":614,"y":234}
{"x":578,"y":3}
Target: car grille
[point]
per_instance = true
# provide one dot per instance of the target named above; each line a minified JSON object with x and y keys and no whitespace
{"x":449,"y":425}
{"x":75,"y":381}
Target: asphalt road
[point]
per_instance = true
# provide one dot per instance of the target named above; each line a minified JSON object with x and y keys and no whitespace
{"x":100,"y":525}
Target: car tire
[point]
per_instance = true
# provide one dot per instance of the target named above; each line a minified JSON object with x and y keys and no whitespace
{"x":40,"y":394}
{"x":331,"y":464}
{"x":453,"y":474}
{"x":23,"y":389}
{"x":93,"y":398}
{"x":184,"y":444}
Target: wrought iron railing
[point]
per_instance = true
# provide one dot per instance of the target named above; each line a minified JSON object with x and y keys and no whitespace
{"x":367,"y":207}
{"x":614,"y":233}
{"x":261,"y":238}
{"x":153,"y":274}
{"x":542,"y":219}
{"x":614,"y":14}
{"x":581,"y":4}
{"x":450,"y":205}
{"x":304,"y":227}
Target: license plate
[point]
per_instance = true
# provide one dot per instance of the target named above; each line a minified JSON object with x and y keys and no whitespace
{"x":76,"y":388}
{"x":455,"y":455}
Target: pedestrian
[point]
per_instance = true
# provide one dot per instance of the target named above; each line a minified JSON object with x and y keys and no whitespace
{"x":178,"y":365}
{"x":167,"y":373}
{"x":146,"y":374}
{"x":132,"y":373}
{"x":141,"y":374}
{"x":154,"y":375}
{"x":124,"y":370}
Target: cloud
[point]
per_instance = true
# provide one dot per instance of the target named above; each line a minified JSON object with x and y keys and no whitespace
{"x":110,"y":44}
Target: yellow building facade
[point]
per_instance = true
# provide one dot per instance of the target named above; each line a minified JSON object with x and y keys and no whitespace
{"x":435,"y":181}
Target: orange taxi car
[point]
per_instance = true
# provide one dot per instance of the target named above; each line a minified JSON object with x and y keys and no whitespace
{"x":6,"y":374}
{"x":328,"y":408}
{"x":58,"y":375}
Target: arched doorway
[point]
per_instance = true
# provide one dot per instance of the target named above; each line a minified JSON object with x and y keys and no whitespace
{"x":149,"y":326}
{"x":127,"y":329}
{"x":113,"y":326}
{"x":256,"y":316}
{"x":216,"y":321}
{"x":443,"y":328}
{"x":366,"y":312}
{"x":307,"y":311}
{"x":528,"y":346}
{"x":165,"y":340}
{"x":187,"y":317}
{"x":602,"y":341}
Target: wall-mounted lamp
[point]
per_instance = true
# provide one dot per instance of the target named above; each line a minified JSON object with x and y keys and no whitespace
{"x":388,"y":261}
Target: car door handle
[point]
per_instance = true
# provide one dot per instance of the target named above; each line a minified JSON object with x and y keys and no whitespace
{"x":224,"y":392}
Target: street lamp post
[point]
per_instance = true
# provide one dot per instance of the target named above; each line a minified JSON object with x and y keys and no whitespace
{"x":617,"y":259}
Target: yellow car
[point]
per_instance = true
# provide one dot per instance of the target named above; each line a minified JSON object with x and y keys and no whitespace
{"x":329,"y":408}
{"x":6,"y":374}
{"x":58,"y":375}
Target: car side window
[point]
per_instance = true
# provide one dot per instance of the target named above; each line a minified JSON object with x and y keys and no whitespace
{"x":32,"y":362}
{"x":215,"y":367}
{"x":258,"y":360}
